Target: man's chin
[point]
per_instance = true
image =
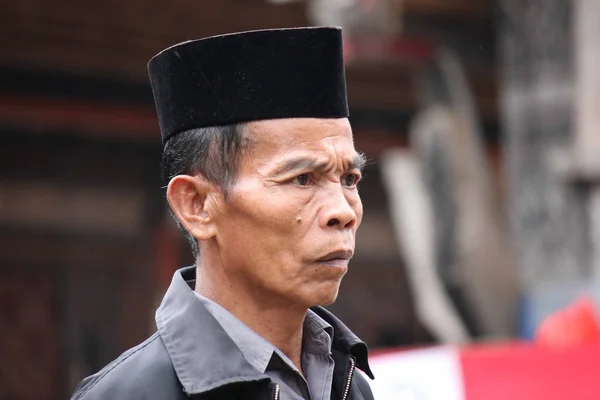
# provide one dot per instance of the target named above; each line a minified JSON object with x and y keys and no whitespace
{"x":327,"y":302}
{"x":325,"y":297}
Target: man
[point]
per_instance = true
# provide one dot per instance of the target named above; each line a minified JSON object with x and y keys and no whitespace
{"x":263,"y":174}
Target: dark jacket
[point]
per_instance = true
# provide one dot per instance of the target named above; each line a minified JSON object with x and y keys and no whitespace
{"x":192,"y":356}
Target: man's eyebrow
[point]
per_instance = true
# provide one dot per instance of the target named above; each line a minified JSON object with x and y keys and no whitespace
{"x":307,"y":163}
{"x":358,"y":162}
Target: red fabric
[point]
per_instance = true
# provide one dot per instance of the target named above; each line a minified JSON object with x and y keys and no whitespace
{"x":563,"y":363}
{"x":529,"y":372}
{"x":574,"y":325}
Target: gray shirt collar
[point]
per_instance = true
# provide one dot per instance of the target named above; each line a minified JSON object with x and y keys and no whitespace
{"x":203,"y":354}
{"x":256,"y":349}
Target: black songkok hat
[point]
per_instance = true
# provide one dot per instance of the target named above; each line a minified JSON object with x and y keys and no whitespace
{"x":249,"y":76}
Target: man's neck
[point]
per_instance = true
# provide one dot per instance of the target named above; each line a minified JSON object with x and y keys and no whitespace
{"x":279,"y":324}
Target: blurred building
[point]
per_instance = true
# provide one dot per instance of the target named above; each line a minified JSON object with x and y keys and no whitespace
{"x":86,"y":246}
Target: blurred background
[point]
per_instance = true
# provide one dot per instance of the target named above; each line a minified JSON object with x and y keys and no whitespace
{"x":482,"y":210}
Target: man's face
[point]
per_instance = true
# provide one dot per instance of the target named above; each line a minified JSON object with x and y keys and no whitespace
{"x":287,"y":229}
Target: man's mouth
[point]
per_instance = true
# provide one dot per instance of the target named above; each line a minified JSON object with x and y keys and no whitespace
{"x":338,"y":257}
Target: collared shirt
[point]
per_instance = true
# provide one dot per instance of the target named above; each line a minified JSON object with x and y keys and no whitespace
{"x":317,"y":363}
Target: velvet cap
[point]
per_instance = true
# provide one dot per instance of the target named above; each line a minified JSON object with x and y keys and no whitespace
{"x":249,"y":76}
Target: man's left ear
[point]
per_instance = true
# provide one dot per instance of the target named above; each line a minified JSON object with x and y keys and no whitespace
{"x":192,"y":200}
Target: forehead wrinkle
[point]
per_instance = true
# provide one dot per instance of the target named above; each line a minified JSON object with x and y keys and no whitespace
{"x":303,"y":162}
{"x":318,"y":153}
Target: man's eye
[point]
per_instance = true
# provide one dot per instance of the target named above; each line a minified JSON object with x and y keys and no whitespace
{"x":350,"y":180}
{"x":301,"y":180}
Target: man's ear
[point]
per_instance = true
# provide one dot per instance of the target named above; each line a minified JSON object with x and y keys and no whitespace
{"x":187,"y":195}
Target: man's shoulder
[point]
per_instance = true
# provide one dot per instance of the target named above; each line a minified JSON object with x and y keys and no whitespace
{"x":142,"y":372}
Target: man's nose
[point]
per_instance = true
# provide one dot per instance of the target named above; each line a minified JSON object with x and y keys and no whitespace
{"x":338,"y":212}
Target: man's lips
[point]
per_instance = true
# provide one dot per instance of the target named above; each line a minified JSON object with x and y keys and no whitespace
{"x":338,"y":255}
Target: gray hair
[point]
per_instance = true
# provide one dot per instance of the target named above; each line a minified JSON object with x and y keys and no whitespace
{"x":213,"y":152}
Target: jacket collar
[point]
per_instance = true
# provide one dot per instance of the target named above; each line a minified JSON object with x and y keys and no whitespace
{"x":345,"y":341}
{"x":205,"y":357}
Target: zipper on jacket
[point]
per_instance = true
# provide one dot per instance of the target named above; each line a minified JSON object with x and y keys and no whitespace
{"x":276,"y":395}
{"x":349,"y":381}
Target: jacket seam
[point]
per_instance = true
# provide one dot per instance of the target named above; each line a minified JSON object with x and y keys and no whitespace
{"x":119,"y":362}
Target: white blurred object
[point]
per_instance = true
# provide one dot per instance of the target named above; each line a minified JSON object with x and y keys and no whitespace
{"x":413,"y":222}
{"x":481,"y":264}
{"x":332,"y":12}
{"x":474,"y":255}
{"x":485,"y":256}
{"x":356,"y":17}
{"x":409,"y":375}
{"x":587,"y":118}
